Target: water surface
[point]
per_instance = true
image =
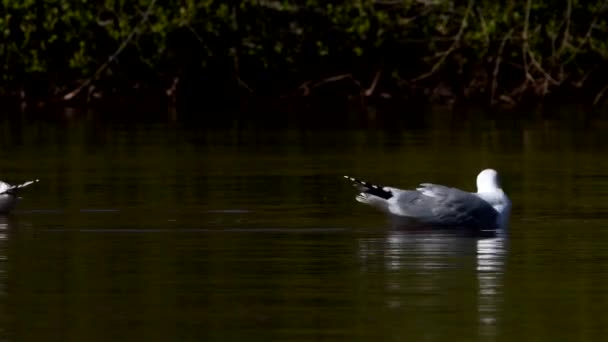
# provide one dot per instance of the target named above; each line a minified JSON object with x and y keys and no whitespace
{"x":169,"y":230}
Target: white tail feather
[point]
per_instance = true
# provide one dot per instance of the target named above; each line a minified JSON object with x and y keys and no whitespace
{"x":19,"y":186}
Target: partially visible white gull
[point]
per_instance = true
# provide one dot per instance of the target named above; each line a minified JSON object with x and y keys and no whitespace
{"x":8,"y":195}
{"x":488,"y":208}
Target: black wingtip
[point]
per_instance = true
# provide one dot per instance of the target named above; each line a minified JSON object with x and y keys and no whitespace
{"x":369,"y":188}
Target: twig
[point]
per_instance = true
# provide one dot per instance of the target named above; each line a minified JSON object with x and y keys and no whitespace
{"x":599,"y":95}
{"x":567,"y":30}
{"x":497,"y":65}
{"x":445,"y":54}
{"x":307,"y":86}
{"x":545,"y":87}
{"x":113,"y":57}
{"x":422,"y":14}
{"x":388,"y":2}
{"x":537,"y":65}
{"x":527,"y":52}
{"x":525,"y":45}
{"x":196,"y":35}
{"x":588,"y":33}
{"x":334,"y":79}
{"x":507,"y":99}
{"x":527,"y":21}
{"x":484,"y":26}
{"x":581,"y":82}
{"x":370,"y":91}
{"x":171,"y":92}
{"x":243,"y":84}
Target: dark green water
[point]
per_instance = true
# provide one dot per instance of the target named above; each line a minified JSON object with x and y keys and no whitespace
{"x":165,"y":231}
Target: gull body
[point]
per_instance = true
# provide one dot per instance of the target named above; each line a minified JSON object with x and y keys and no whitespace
{"x":488,"y":208}
{"x":9,"y":195}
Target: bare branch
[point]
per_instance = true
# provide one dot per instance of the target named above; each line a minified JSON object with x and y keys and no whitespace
{"x":507,"y":99}
{"x":307,"y":86}
{"x":335,"y":79}
{"x":567,"y":30}
{"x":423,"y":13}
{"x":527,"y":20}
{"x":537,"y":65}
{"x":599,"y":95}
{"x":484,"y":26}
{"x":445,"y":54}
{"x":497,"y":65}
{"x":581,"y":82}
{"x":198,"y":36}
{"x":370,"y":91}
{"x":525,"y":45}
{"x":243,"y":84}
{"x":113,"y":57}
{"x":171,"y":92}
{"x":588,"y":34}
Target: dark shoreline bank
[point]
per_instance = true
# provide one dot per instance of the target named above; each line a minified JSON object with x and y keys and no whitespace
{"x":313,"y":111}
{"x":286,"y":54}
{"x":343,"y":89}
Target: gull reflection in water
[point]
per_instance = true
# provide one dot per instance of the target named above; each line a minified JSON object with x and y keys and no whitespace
{"x":433,"y":262}
{"x":7,"y":229}
{"x":4,"y":232}
{"x":4,"y":235}
{"x":490,"y":269}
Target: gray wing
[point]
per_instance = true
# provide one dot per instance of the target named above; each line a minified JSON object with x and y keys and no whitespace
{"x":438,"y":204}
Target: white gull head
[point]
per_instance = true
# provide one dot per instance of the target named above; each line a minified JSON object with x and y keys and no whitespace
{"x":490,"y":189}
{"x":488,"y":181}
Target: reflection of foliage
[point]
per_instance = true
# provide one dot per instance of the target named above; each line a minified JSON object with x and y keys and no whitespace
{"x":498,"y":50}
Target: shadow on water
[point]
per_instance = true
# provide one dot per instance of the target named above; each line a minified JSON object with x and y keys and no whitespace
{"x":412,"y":226}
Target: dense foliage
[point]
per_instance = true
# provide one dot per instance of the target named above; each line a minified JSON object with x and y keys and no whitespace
{"x":493,"y":51}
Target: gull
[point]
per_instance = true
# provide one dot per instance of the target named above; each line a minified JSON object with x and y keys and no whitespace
{"x":433,"y":204}
{"x":8,"y":195}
